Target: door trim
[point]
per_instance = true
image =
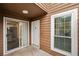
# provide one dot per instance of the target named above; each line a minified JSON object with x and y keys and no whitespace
{"x":4,"y":35}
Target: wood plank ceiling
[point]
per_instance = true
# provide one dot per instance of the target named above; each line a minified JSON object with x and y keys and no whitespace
{"x":52,"y":7}
{"x":15,"y":9}
{"x":36,"y":10}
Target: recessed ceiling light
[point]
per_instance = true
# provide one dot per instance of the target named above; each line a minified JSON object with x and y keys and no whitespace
{"x":25,"y":11}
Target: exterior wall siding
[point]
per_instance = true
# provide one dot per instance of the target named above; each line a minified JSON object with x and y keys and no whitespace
{"x":45,"y":27}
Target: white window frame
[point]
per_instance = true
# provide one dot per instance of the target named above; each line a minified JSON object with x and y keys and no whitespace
{"x":74,"y":30}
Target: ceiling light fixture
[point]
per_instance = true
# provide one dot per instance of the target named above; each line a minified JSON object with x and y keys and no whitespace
{"x":25,"y":11}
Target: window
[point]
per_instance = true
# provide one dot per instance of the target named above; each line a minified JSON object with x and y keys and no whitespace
{"x":64,"y":32}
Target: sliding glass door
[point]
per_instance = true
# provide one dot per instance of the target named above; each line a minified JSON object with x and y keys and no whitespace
{"x":16,"y":34}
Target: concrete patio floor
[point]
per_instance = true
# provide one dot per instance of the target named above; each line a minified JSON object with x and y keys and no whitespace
{"x":29,"y":51}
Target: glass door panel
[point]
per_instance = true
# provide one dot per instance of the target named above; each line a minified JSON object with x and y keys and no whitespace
{"x":12,"y":35}
{"x":23,"y":34}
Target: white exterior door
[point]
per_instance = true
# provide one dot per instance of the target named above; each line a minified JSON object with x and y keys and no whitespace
{"x":35,"y":29}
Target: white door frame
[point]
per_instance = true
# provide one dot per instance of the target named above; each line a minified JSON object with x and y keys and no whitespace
{"x":32,"y":32}
{"x":4,"y":34}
